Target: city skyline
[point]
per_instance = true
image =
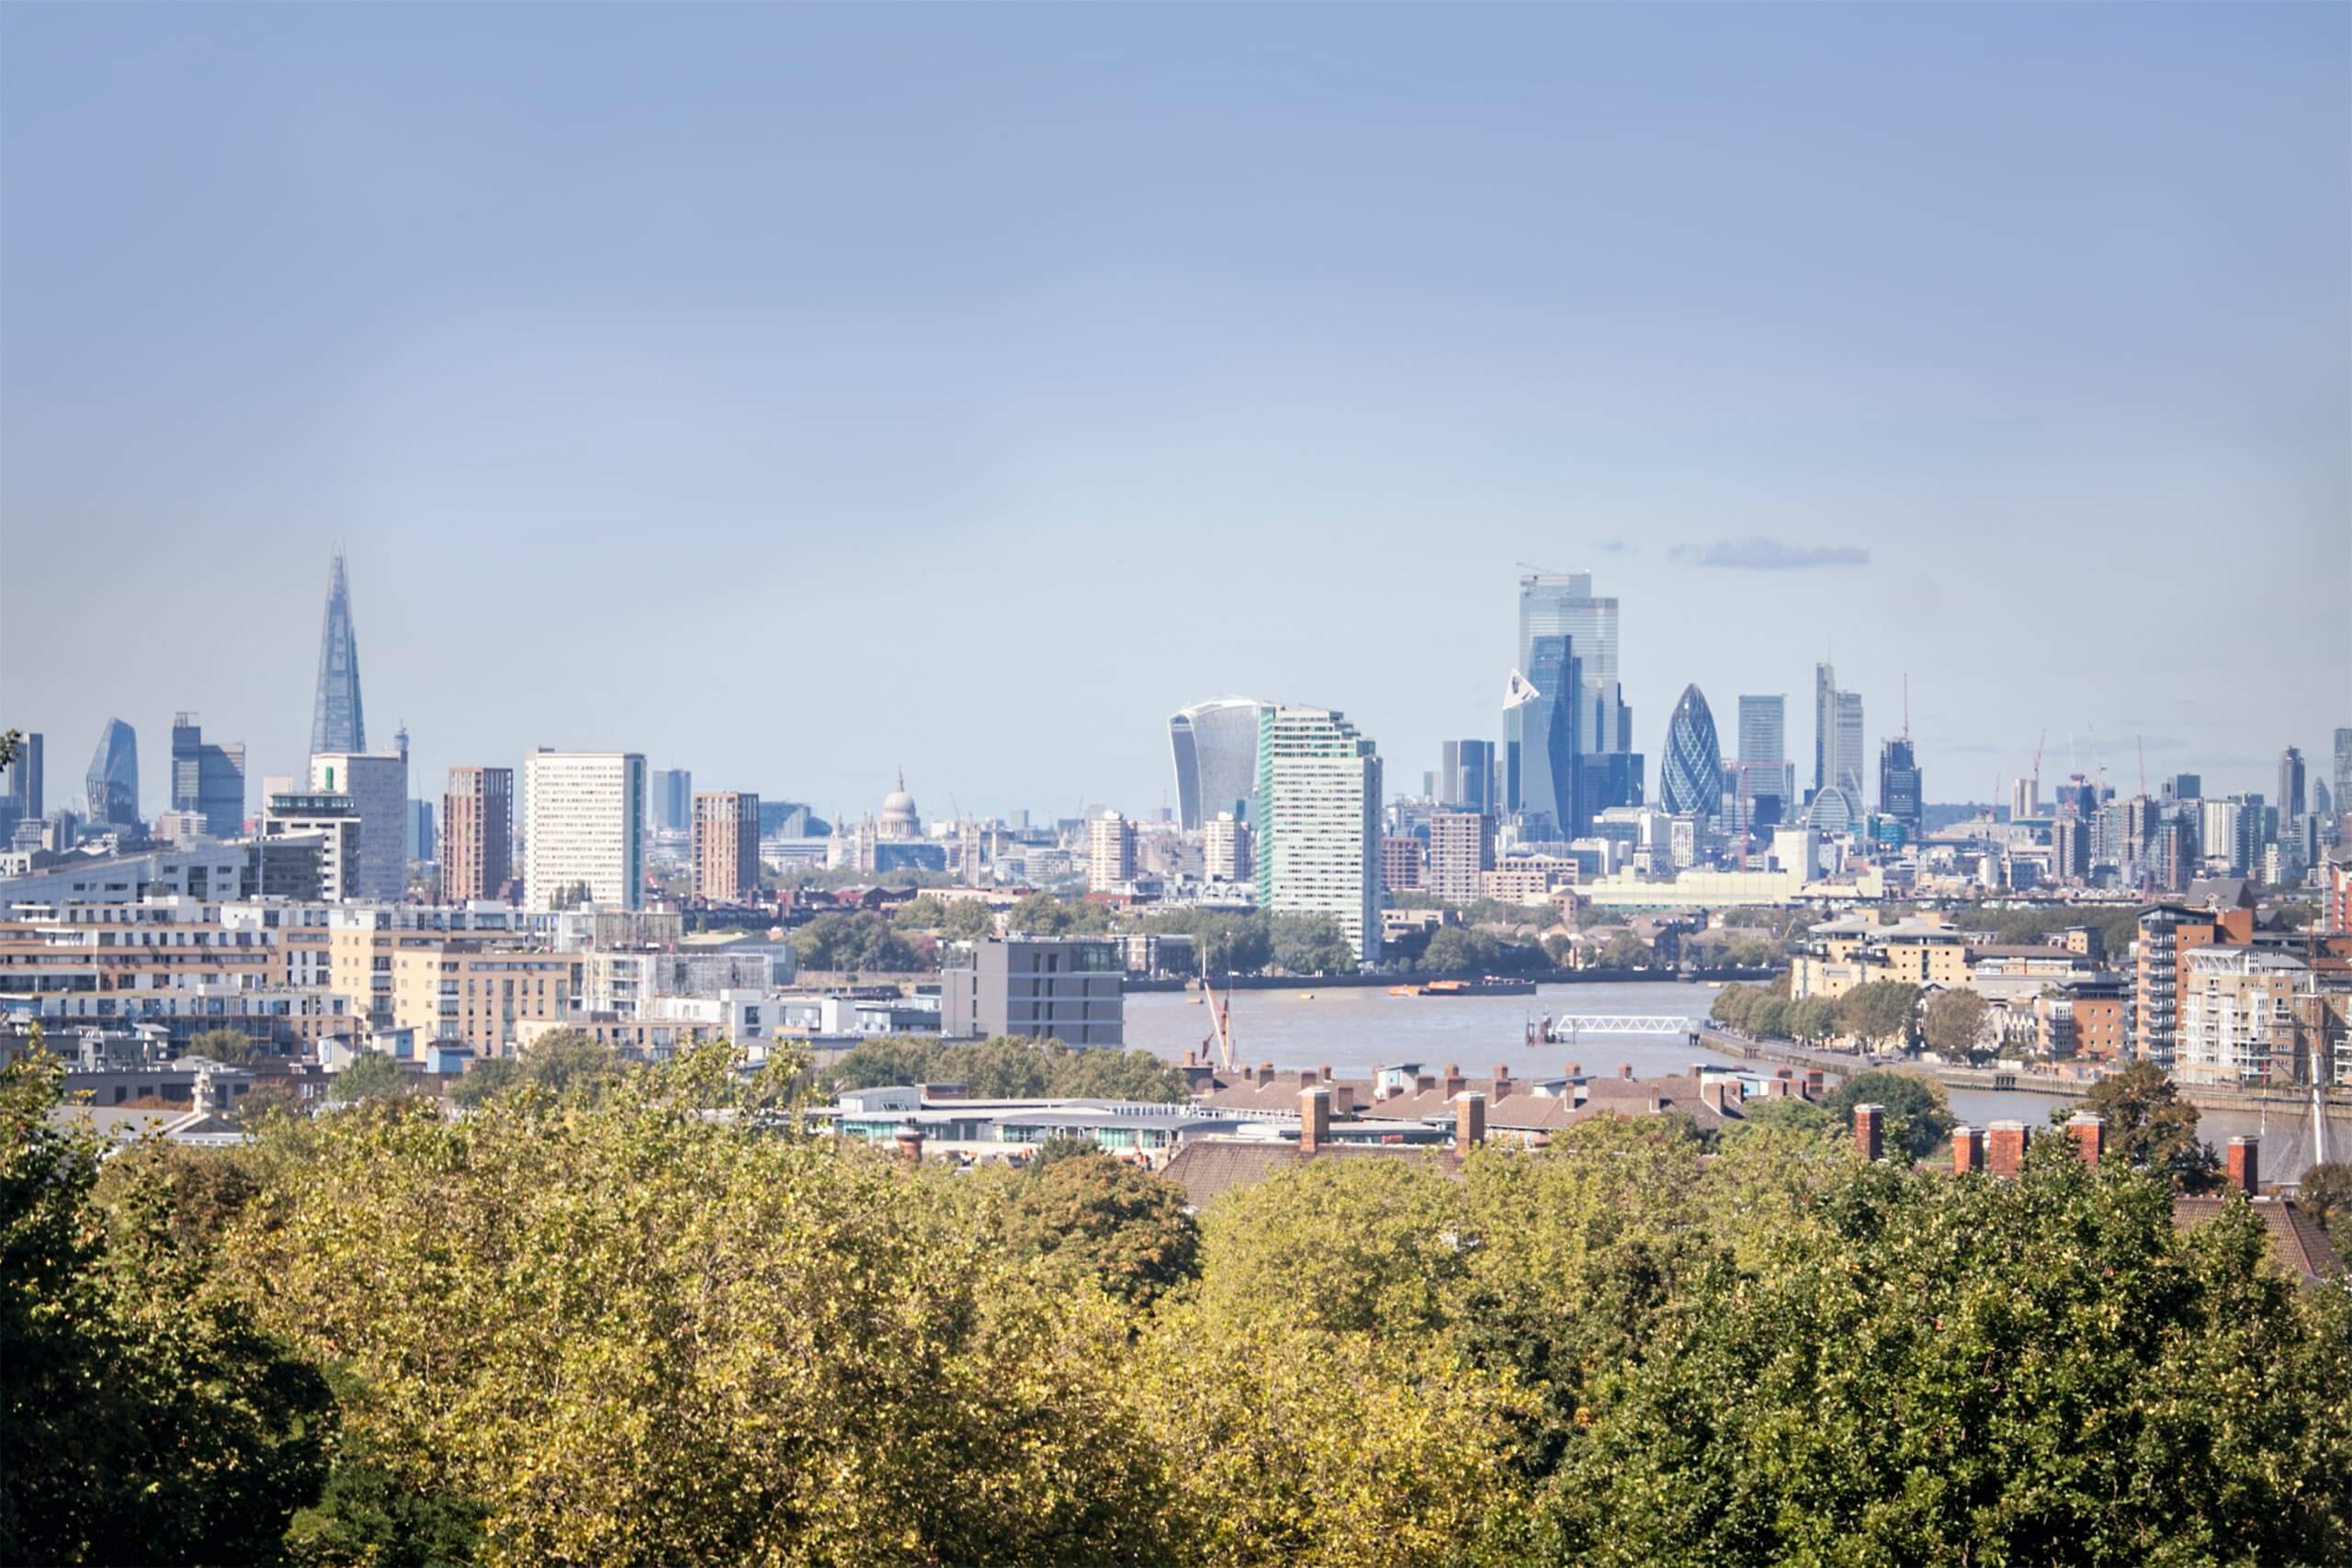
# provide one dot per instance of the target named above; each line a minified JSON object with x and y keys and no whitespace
{"x":1158,"y":462}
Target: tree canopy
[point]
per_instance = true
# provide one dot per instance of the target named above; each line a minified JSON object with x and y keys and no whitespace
{"x":1917,"y":1113}
{"x":1009,"y":1068}
{"x":2149,"y":1126}
{"x":862,"y":941}
{"x":668,"y":1324}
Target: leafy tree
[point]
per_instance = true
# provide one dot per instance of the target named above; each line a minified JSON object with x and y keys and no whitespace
{"x":893,"y":1059}
{"x":1311,"y":944}
{"x":861,"y":941}
{"x":1791,"y":1112}
{"x":1879,"y":1013}
{"x":267,"y":1098}
{"x":690,"y":1340}
{"x":956,"y":918}
{"x":1104,"y":1073}
{"x":1752,"y":954}
{"x":1955,"y":1023}
{"x":1098,"y":1220}
{"x":142,"y":1416}
{"x":2149,"y":1126}
{"x":1813,"y":1019}
{"x":1625,"y":950}
{"x":1918,"y":1116}
{"x":1344,"y":1245}
{"x":1907,"y":1366}
{"x":562,"y":1062}
{"x":1768,"y":1015}
{"x":1001,"y":1068}
{"x":2326,"y":1191}
{"x":371,"y":1075}
{"x":230,"y":1047}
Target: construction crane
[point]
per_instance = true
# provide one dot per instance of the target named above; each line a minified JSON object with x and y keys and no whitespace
{"x":1220,"y":1021}
{"x":2037,"y":766}
{"x":2142,"y":742}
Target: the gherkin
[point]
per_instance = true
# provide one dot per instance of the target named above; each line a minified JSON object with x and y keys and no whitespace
{"x":337,"y":723}
{"x":1691,"y":780}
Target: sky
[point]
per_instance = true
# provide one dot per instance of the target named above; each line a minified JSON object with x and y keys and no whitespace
{"x":799,"y":394}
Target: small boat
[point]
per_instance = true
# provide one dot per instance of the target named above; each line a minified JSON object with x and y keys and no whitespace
{"x":1404,"y":991}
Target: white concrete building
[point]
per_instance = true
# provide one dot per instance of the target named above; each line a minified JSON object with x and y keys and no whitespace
{"x":583,"y":815}
{"x":1318,"y":832}
{"x":1110,"y":852}
{"x":376,"y":782}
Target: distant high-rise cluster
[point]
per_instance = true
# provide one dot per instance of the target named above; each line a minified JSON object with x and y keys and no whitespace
{"x":1215,"y":748}
{"x":1567,"y":746}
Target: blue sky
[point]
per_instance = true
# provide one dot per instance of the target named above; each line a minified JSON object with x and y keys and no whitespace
{"x":792,"y":394}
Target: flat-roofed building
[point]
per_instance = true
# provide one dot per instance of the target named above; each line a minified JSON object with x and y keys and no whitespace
{"x":583,"y":829}
{"x":1070,"y":989}
{"x":477,"y":834}
{"x":479,"y":992}
{"x":725,"y":846}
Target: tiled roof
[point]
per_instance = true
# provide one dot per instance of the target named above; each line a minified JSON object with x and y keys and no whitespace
{"x":2297,"y":1241}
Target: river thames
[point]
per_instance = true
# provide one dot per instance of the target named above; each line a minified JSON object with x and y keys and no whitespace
{"x":1354,"y":1029}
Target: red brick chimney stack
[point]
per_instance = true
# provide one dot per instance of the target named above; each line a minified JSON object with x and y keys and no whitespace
{"x":2089,"y":1132}
{"x":1314,"y":1121}
{"x":909,"y":1144}
{"x":1870,"y":1130}
{"x":2005,"y":1145}
{"x":1967,"y":1150}
{"x":2243,"y":1164}
{"x":1469,"y":1122}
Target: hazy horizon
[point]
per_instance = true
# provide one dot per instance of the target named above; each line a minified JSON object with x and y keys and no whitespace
{"x":794,"y":395}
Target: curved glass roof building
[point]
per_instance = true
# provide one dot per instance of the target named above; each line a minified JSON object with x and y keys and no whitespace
{"x":1691,"y":781}
{"x":1215,"y":749}
{"x":113,"y":783}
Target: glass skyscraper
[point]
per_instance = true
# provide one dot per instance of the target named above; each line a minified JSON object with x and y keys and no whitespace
{"x":337,"y":723}
{"x":207,"y":779}
{"x":1598,"y":731}
{"x":1837,"y":734}
{"x":113,"y":783}
{"x":1690,"y":775}
{"x":1215,"y":749}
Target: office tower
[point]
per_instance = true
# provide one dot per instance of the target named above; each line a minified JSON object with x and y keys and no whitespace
{"x":420,"y":839}
{"x":1215,"y":748}
{"x":674,"y":799}
{"x":1319,"y":822}
{"x":1899,"y":783}
{"x":113,"y":783}
{"x":1224,"y":850}
{"x":2186,"y":786}
{"x":1837,"y":734}
{"x":1461,"y":851}
{"x":1763,"y":728}
{"x":2343,"y":770}
{"x":477,"y":834}
{"x":327,"y":817}
{"x":2291,"y":784}
{"x":583,"y":814}
{"x":1466,"y":779}
{"x":337,"y":725}
{"x":1690,"y":773}
{"x":208,"y":780}
{"x":1547,"y":754}
{"x":376,"y":782}
{"x":2322,"y":803}
{"x":1110,"y":851}
{"x":725,"y":845}
{"x":25,"y":779}
{"x":2253,"y":832}
{"x":1606,"y":771}
{"x":2070,"y":847}
{"x":2025,"y":799}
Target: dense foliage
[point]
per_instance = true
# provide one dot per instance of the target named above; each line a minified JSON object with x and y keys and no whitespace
{"x":661,"y":1325}
{"x":1008,"y":1067}
{"x":852,"y":944}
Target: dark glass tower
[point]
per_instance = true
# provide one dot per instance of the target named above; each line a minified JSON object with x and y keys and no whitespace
{"x":1690,"y":780}
{"x":337,"y":723}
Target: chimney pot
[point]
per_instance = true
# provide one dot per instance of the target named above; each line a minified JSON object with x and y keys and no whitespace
{"x":1624,"y":1069}
{"x":1265,"y":1072}
{"x":1657,"y":1103}
{"x":1469,"y":1122}
{"x":1502,"y":1072}
{"x":2244,"y":1165}
{"x":2089,"y":1132}
{"x":1424,"y":1083}
{"x":1327,"y":1072}
{"x":1967,"y":1150}
{"x":1870,"y":1130}
{"x":910,"y":1144}
{"x":1575,"y":1069}
{"x":1343,"y":1098}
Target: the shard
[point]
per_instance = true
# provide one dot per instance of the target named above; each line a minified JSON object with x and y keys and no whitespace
{"x":336,"y":722}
